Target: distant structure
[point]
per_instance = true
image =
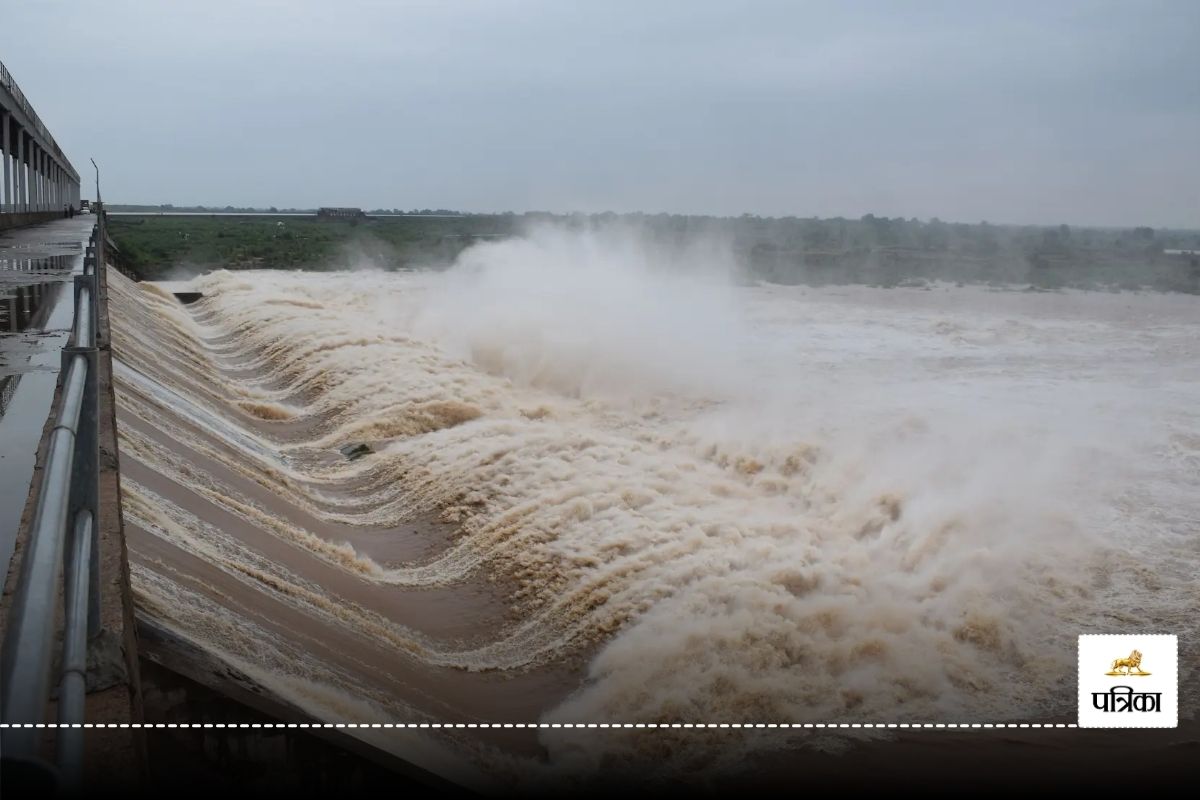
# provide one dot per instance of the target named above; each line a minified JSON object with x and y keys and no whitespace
{"x":340,"y":213}
{"x":37,"y":182}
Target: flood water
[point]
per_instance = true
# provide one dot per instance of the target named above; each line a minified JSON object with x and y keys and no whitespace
{"x":601,"y":491}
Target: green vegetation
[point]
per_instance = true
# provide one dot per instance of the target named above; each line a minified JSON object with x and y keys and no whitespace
{"x":153,"y":246}
{"x":872,"y":250}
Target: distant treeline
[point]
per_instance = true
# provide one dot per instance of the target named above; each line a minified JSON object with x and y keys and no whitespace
{"x":894,"y":251}
{"x":168,"y":208}
{"x":870,"y":250}
{"x":156,"y":247}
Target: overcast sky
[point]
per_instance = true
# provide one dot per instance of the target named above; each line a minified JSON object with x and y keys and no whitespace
{"x":1077,"y":112}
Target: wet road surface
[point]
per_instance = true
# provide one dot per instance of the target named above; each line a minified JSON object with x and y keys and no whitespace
{"x":36,"y":264}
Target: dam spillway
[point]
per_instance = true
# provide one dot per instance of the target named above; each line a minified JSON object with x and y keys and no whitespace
{"x":279,"y":558}
{"x":564,"y":516}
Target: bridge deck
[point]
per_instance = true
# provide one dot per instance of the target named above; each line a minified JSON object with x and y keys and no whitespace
{"x":112,"y":681}
{"x":35,"y":317}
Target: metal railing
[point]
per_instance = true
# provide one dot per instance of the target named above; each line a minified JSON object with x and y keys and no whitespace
{"x":61,"y":552}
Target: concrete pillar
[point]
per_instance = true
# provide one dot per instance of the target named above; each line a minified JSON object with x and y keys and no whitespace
{"x":35,"y":174}
{"x":30,"y":175}
{"x":27,"y":186}
{"x":41,"y":173}
{"x":35,"y":183}
{"x":6,"y":201}
{"x":22,"y":197}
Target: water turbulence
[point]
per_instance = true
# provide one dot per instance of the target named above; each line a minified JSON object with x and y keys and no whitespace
{"x":590,"y":488}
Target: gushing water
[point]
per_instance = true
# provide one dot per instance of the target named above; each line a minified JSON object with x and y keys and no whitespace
{"x":752,"y":504}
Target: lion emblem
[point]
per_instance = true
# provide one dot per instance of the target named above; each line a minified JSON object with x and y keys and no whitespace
{"x":1126,"y":666}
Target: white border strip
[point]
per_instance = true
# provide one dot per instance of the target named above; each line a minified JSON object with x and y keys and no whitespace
{"x":908,"y":725}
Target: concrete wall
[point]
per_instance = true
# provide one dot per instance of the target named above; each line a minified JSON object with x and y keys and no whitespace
{"x":29,"y":218}
{"x":273,"y":762}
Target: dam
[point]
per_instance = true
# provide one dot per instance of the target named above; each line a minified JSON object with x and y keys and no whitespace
{"x":247,"y":530}
{"x":472,"y":523}
{"x":572,"y":510}
{"x":354,"y":495}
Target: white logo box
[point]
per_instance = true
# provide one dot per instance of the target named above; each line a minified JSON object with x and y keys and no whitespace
{"x":1129,"y":696}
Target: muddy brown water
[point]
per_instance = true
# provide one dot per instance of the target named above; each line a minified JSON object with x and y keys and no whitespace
{"x":163,"y":451}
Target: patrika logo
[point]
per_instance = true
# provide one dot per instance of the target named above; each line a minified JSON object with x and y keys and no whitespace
{"x":1136,"y":691}
{"x":1134,"y":662}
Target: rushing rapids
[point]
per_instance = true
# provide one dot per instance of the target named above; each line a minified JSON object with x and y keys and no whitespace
{"x":598,"y":491}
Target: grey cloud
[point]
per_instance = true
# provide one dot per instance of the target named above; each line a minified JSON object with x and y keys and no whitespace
{"x":1077,"y":112}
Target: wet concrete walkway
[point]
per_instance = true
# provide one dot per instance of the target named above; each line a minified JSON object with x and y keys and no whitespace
{"x":36,"y":264}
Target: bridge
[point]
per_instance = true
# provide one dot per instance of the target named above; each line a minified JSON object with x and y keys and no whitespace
{"x":39,"y":182}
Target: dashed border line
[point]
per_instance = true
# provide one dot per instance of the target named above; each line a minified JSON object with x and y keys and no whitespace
{"x":540,"y":725}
